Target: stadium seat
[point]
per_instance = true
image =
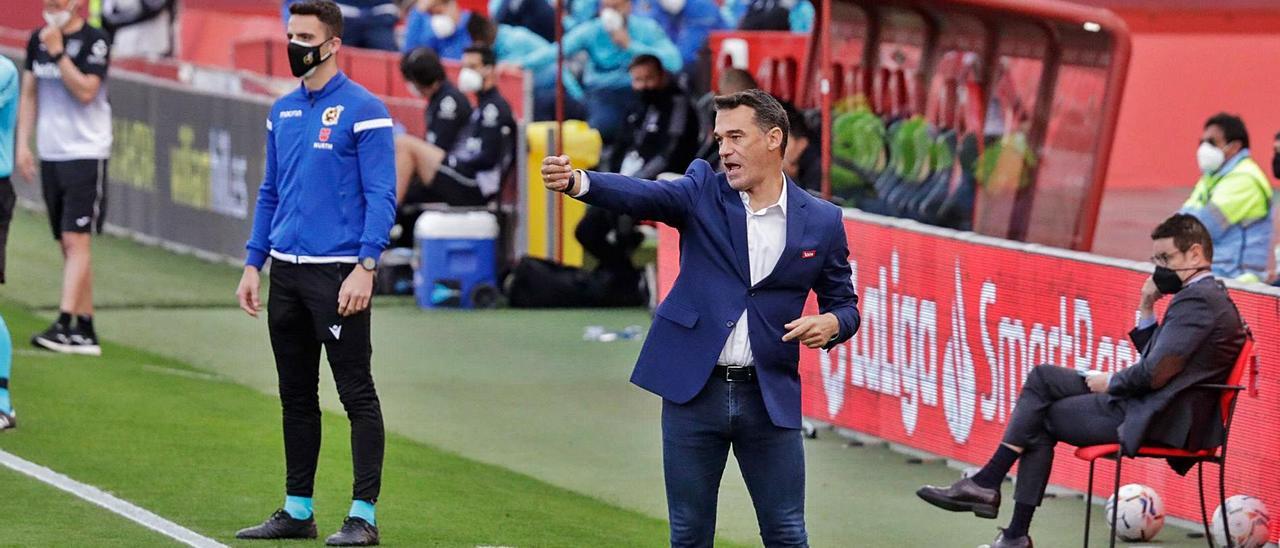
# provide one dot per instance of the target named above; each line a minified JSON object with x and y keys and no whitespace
{"x":957,"y":210}
{"x":1218,"y":455}
{"x":938,"y":183}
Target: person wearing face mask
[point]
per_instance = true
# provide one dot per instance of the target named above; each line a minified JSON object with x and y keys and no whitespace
{"x":688,"y":22}
{"x":323,"y":216}
{"x":448,"y":109}
{"x":1233,"y":200}
{"x":439,"y":25}
{"x":724,"y":348}
{"x":64,"y":100}
{"x":1153,"y":402}
{"x":661,"y":129}
{"x":511,"y":45}
{"x":611,"y":41}
{"x":470,"y":174}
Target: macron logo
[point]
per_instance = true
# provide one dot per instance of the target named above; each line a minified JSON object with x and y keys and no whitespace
{"x":336,"y":330}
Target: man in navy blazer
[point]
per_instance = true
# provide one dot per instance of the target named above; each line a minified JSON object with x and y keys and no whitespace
{"x":724,"y":348}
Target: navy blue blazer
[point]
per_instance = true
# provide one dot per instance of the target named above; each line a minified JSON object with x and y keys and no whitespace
{"x":714,"y":285}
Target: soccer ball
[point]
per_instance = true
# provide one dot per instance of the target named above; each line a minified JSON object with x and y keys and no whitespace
{"x":1249,"y":522}
{"x":1140,"y":515}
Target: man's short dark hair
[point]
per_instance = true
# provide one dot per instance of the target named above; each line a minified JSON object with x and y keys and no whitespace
{"x":482,"y":30}
{"x":768,"y":111}
{"x":738,"y":78}
{"x":1232,"y":128}
{"x":1186,"y":230}
{"x":645,"y":59}
{"x":422,"y":66}
{"x":487,"y":58}
{"x":324,"y":10}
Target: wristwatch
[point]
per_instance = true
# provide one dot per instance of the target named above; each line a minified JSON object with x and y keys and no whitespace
{"x":59,"y":56}
{"x":369,"y":263}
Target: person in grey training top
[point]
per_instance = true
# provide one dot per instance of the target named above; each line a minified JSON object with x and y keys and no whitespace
{"x":64,"y":98}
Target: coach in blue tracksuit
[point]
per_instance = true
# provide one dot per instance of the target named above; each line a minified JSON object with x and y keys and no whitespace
{"x":323,"y":215}
{"x":723,"y":350}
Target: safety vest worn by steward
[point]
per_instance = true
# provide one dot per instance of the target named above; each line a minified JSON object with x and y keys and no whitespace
{"x":1234,"y":203}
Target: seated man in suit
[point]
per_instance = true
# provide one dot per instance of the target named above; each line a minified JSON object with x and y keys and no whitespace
{"x":1151,"y":403}
{"x":724,"y":349}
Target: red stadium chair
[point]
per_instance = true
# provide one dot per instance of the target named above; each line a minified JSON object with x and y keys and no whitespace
{"x":1230,"y":393}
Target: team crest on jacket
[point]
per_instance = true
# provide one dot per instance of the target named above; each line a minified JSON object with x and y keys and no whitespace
{"x":448,"y":108}
{"x":331,"y":115}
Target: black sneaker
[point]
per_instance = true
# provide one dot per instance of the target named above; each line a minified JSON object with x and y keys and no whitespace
{"x":280,"y":526}
{"x":68,"y":340}
{"x":8,"y":421}
{"x":354,"y":532}
{"x":84,"y":343}
{"x":56,"y":338}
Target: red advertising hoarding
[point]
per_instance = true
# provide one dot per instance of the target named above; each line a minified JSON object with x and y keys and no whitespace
{"x":952,"y":323}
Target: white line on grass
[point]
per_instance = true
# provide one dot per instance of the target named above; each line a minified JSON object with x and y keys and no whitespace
{"x":106,"y":500}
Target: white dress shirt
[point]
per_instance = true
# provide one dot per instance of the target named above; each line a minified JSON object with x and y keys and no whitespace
{"x":766,"y":239}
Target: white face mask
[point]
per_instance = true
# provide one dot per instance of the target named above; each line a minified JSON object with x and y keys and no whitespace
{"x":611,"y":19}
{"x":1210,"y":158}
{"x":470,"y":80}
{"x":413,"y":90}
{"x":443,"y":25}
{"x":57,"y":19}
{"x":672,"y":6}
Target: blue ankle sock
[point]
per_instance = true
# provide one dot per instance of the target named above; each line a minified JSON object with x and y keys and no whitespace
{"x":298,"y":507}
{"x":6,"y":360}
{"x":363,"y":509}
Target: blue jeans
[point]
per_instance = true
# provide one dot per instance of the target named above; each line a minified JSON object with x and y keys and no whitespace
{"x":696,"y":438}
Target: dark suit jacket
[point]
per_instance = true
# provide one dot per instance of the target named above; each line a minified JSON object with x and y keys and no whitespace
{"x":1198,"y":342}
{"x":714,"y":285}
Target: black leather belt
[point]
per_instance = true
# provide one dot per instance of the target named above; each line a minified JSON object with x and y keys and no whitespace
{"x":735,"y":373}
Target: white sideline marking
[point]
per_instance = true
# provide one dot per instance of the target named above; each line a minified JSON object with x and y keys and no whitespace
{"x":106,"y":500}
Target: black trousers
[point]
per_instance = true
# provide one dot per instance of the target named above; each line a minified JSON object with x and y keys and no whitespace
{"x":1056,"y":405}
{"x":302,"y":315}
{"x":609,"y":237}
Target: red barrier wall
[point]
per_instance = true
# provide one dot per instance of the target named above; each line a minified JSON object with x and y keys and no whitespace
{"x":953,"y":322}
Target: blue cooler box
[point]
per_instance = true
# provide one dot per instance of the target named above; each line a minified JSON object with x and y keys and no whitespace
{"x":457,"y":259}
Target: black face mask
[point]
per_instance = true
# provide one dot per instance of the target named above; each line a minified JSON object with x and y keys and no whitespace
{"x":653,"y":96}
{"x":1275,"y":165}
{"x":303,"y":58}
{"x":1167,"y":279}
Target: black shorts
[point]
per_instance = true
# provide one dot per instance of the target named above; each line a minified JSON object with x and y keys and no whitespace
{"x":75,"y":195}
{"x":7,"y":200}
{"x":444,"y":189}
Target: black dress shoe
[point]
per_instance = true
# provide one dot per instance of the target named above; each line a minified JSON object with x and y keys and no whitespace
{"x":1023,"y":541}
{"x":963,"y":496}
{"x":280,"y":526}
{"x":354,"y":532}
